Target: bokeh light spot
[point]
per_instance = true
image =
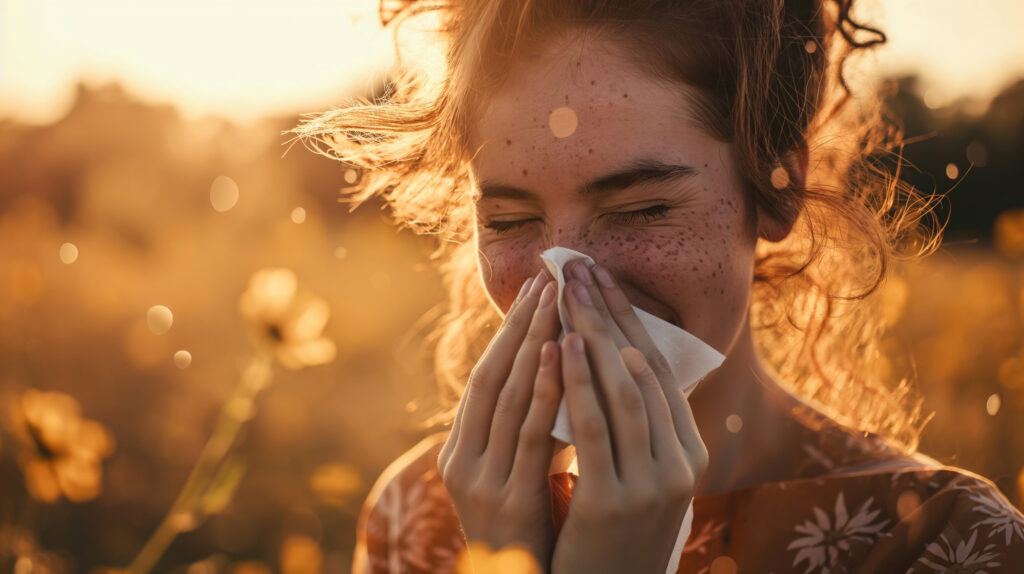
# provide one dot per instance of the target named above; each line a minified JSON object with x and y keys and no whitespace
{"x":734,"y":423}
{"x":223,"y":193}
{"x":723,"y":565}
{"x":952,"y":171}
{"x":780,"y":177}
{"x":931,"y":99}
{"x":350,"y":176}
{"x":182,"y":359}
{"x":977,"y":153}
{"x":299,"y":215}
{"x":1008,"y":232}
{"x":299,"y":555}
{"x":563,"y":122}
{"x":340,"y":252}
{"x":810,"y":46}
{"x":68,"y":253}
{"x":159,"y":319}
{"x":336,"y":483}
{"x":992,"y":404}
{"x":907,"y":503}
{"x":486,"y":560}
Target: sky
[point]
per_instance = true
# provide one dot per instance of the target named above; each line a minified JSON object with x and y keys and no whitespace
{"x":245,"y":58}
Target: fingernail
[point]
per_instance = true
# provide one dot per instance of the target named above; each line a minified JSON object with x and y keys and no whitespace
{"x":524,"y":288}
{"x":576,"y":343}
{"x":538,"y":284}
{"x":582,"y":295}
{"x":603,"y":276}
{"x":548,"y":295}
{"x":580,"y":272}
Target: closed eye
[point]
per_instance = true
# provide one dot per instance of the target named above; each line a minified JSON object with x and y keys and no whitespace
{"x":638,"y":216}
{"x":641,"y":215}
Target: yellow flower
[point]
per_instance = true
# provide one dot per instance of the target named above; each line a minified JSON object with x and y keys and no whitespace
{"x":285,"y":320}
{"x":65,"y":451}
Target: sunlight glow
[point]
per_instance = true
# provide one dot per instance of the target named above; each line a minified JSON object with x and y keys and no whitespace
{"x":232,"y":58}
{"x":242,"y":60}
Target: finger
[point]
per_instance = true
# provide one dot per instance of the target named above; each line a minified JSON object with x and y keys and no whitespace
{"x":514,"y":399}
{"x":453,"y":436}
{"x":578,"y":270}
{"x":536,"y":445}
{"x":665,"y":442}
{"x":685,"y":425}
{"x":593,"y":444}
{"x":625,"y":317}
{"x":630,"y":431}
{"x":490,"y":373}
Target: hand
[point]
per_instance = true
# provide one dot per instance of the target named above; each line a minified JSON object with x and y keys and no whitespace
{"x":495,"y":462}
{"x":640,"y":464}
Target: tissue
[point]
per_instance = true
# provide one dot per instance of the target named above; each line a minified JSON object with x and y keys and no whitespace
{"x":689,"y":358}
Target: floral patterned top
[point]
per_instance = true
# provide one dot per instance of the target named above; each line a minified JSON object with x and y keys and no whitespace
{"x":855,"y":506}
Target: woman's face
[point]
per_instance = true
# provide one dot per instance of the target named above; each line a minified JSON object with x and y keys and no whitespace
{"x":637,"y":185}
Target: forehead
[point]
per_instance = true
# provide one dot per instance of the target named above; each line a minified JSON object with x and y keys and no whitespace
{"x":578,"y":105}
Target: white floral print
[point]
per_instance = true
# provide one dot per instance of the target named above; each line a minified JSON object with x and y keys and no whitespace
{"x":945,"y":558}
{"x":1003,"y":518}
{"x":826,"y":540}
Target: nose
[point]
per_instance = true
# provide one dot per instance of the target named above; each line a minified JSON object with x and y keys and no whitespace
{"x":573,"y":237}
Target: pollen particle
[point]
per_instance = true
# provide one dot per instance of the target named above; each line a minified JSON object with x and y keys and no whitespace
{"x":182,"y":359}
{"x":563,"y":122}
{"x":159,"y":319}
{"x":780,"y":178}
{"x":68,"y":253}
{"x":223,"y":193}
{"x":734,"y":423}
{"x":992,"y":404}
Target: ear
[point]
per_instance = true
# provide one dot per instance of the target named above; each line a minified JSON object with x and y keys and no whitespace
{"x":795,"y":165}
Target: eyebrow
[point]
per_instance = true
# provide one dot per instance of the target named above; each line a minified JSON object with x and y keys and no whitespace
{"x":637,"y":172}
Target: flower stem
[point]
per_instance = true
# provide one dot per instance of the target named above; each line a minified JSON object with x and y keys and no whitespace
{"x":185,"y":514}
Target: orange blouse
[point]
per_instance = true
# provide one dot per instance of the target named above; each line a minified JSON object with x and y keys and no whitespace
{"x":855,"y":506}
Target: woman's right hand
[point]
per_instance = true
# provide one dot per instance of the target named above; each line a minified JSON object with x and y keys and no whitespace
{"x":496,"y":459}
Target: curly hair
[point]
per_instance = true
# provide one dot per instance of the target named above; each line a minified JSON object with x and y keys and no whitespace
{"x":769,"y":78}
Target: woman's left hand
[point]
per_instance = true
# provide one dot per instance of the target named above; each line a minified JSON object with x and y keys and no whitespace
{"x":640,"y":464}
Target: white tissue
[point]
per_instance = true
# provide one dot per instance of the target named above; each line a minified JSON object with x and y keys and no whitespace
{"x":689,"y":358}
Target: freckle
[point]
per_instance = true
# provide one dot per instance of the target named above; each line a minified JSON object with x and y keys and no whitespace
{"x":525,"y":172}
{"x":705,"y":165}
{"x":508,"y":142}
{"x":592,"y":82}
{"x":705,"y":291}
{"x":625,"y":95}
{"x":591,"y":150}
{"x":721,"y":291}
{"x":567,"y":98}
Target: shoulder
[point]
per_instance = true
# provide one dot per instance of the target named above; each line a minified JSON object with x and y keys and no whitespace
{"x":407,"y":522}
{"x":904,"y":515}
{"x":416,"y":465}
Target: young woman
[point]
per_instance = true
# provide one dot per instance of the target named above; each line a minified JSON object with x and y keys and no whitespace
{"x":708,"y":156}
